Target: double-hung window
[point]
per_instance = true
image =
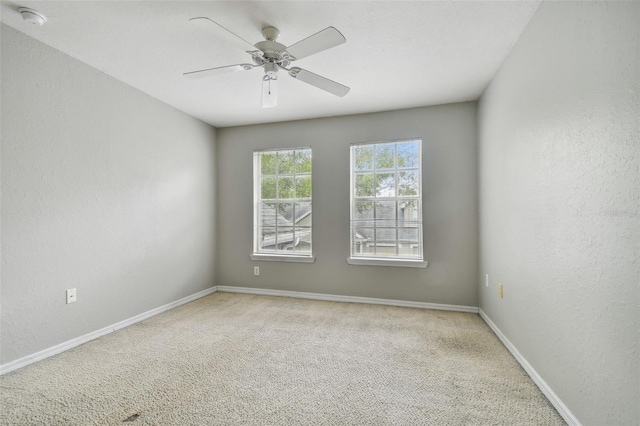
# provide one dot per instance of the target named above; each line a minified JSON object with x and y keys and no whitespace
{"x":386,"y":203}
{"x":282,"y":205}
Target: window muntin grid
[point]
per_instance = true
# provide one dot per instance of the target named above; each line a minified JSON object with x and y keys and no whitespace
{"x":282,"y":202}
{"x":386,"y":200}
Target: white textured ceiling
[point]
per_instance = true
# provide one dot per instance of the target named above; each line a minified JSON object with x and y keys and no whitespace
{"x":398,"y":54}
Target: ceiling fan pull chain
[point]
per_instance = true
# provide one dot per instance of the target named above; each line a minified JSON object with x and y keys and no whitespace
{"x":273,"y":57}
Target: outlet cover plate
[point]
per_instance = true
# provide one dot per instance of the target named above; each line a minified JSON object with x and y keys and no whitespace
{"x":71,"y":295}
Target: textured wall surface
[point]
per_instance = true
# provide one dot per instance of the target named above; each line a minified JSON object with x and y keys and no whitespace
{"x":449,"y":205}
{"x":104,"y":189}
{"x":559,"y":177}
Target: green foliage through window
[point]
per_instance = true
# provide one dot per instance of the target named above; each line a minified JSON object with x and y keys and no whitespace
{"x":386,"y":215}
{"x":283,"y":206}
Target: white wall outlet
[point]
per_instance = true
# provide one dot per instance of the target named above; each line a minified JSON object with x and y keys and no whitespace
{"x":71,"y":295}
{"x":486,"y":280}
{"x":256,"y":270}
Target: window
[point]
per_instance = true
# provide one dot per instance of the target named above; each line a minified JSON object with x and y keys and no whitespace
{"x":386,"y":201}
{"x":282,"y":203}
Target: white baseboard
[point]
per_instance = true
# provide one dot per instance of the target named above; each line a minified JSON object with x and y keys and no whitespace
{"x":350,"y":299}
{"x":54,"y":350}
{"x":566,"y":414}
{"x":30,"y":359}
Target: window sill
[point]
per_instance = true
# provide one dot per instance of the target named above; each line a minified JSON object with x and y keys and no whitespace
{"x":281,"y":258}
{"x":367,"y":261}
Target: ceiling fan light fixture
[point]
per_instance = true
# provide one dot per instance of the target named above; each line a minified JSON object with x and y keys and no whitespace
{"x":269,"y":92}
{"x":32,"y":16}
{"x":273,"y":56}
{"x":271,"y":70}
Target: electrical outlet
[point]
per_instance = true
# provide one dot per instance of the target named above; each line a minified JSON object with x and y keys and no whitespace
{"x":486,"y":280}
{"x":256,"y":270}
{"x":500,"y":290}
{"x":71,"y":295}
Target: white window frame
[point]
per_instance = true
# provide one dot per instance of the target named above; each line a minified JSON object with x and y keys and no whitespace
{"x":279,"y":255}
{"x":386,"y":259}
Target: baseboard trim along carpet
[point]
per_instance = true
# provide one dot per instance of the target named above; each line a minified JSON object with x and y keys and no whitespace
{"x":350,"y":299}
{"x":54,"y":350}
{"x":566,"y":414}
{"x":241,"y":359}
{"x":544,"y":387}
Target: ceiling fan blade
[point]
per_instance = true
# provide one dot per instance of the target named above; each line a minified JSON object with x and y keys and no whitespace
{"x":323,"y":40}
{"x":269,"y":92}
{"x":223,"y":33}
{"x":217,"y":71}
{"x":319,"y":81}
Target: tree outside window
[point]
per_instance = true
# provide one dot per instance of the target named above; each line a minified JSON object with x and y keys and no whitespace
{"x":386,"y":200}
{"x":282,"y":195}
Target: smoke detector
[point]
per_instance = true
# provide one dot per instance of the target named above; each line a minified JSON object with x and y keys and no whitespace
{"x":32,"y":16}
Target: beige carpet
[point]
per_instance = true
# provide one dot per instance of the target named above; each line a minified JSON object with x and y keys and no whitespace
{"x":230,"y":359}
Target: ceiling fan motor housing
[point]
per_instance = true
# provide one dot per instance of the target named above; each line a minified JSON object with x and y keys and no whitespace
{"x":272,"y":49}
{"x":273,"y":56}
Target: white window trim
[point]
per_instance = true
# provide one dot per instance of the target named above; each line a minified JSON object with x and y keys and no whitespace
{"x":379,"y":261}
{"x":275,"y":257}
{"x":368,"y":261}
{"x":282,"y":258}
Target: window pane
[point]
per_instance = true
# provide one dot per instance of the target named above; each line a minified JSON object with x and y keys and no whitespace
{"x":367,"y":249}
{"x":408,"y":234}
{"x":302,"y":214}
{"x":386,"y":250}
{"x":363,"y":157}
{"x":385,"y":156}
{"x":385,"y":184}
{"x":303,"y":161}
{"x":302,"y":248}
{"x":385,"y":210}
{"x":268,"y":191}
{"x":364,"y":185}
{"x":385,"y":213}
{"x":386,"y":235}
{"x":268,"y":238}
{"x":409,"y":249}
{"x":361,"y":241}
{"x":267,"y":214}
{"x":364,"y":234}
{"x":303,"y":186}
{"x":303,"y":239}
{"x":285,"y":238}
{"x":363,"y":213}
{"x":285,"y":187}
{"x":284,"y":214}
{"x":268,"y":163}
{"x":409,"y":213}
{"x":285,"y":162}
{"x":408,"y":183}
{"x":408,"y":154}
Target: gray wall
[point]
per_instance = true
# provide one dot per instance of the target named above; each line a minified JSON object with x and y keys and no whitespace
{"x":449,"y":197}
{"x":559,"y":180}
{"x":103,"y":189}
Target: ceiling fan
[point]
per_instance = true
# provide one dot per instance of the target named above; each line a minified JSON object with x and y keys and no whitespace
{"x":273,"y":57}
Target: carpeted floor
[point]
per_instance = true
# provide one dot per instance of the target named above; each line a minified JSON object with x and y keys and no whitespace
{"x":230,"y":359}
